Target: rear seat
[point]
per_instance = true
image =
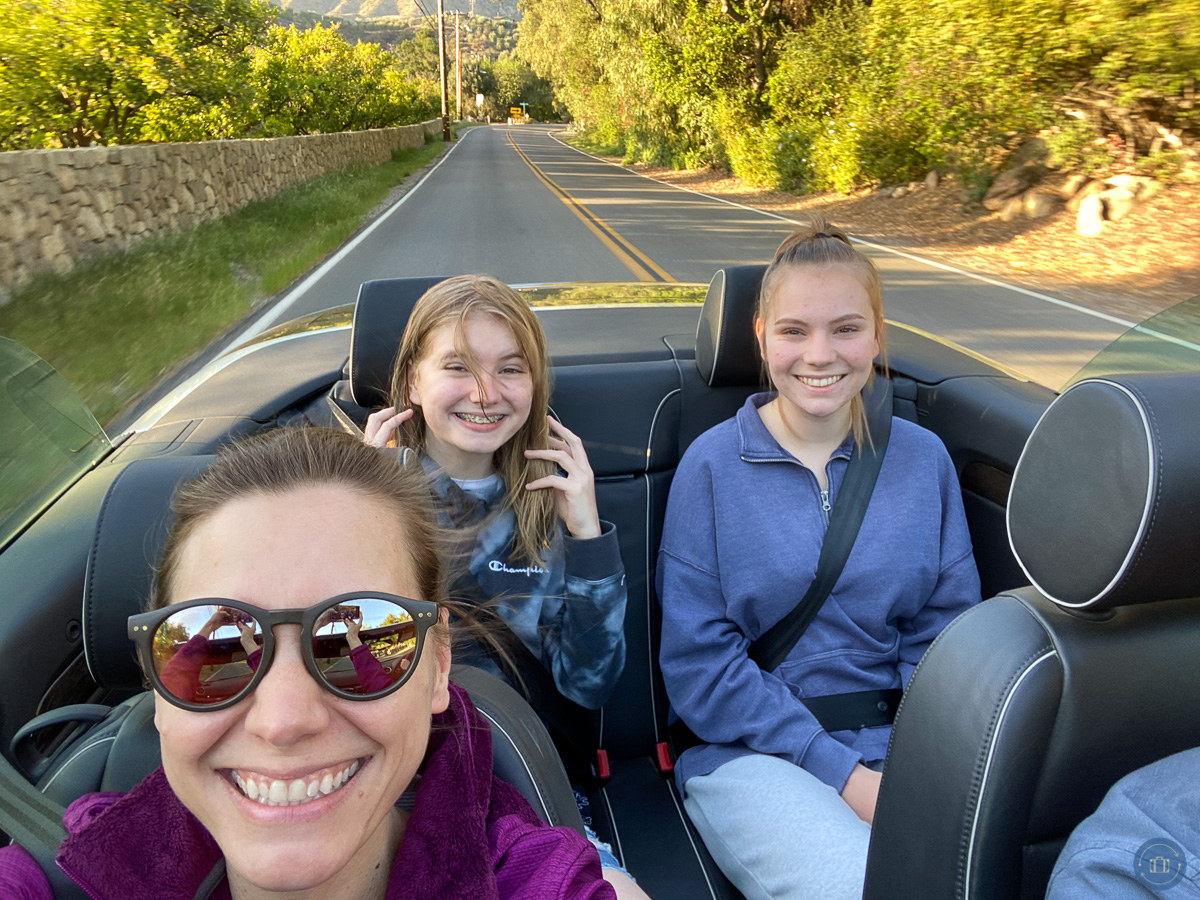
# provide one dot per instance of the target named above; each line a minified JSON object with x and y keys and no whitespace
{"x":636,"y":413}
{"x":635,"y":418}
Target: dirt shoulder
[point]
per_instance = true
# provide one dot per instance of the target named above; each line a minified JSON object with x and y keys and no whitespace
{"x":1142,"y":264}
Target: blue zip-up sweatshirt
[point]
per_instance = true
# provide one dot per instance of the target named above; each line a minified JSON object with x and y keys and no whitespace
{"x":569,"y":612}
{"x":743,"y":531}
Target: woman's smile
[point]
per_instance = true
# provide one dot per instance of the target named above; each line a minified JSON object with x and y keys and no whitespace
{"x":293,"y":791}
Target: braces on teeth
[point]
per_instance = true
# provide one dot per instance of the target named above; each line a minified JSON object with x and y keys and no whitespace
{"x":480,"y":420}
{"x":295,"y":792}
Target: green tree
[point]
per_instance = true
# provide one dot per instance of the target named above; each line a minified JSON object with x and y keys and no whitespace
{"x":79,"y":72}
{"x":309,"y":82}
{"x":419,"y":56}
{"x":516,"y":83}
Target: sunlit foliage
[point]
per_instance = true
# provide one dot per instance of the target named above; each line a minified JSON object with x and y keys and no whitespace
{"x":312,"y":82}
{"x":76,"y":73}
{"x":819,"y":94}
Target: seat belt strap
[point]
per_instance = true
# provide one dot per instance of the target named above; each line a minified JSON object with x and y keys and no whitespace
{"x":834,"y":712}
{"x":34,"y":821}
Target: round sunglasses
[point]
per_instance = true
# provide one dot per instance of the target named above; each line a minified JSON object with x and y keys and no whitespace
{"x":208,"y":654}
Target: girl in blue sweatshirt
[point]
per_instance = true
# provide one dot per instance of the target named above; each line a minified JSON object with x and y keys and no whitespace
{"x":784,"y":807}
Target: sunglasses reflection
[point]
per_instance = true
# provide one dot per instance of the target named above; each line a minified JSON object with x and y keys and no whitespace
{"x":370,"y":676}
{"x":215,"y":662}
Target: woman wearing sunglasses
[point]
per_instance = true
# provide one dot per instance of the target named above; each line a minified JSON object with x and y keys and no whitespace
{"x":312,"y":745}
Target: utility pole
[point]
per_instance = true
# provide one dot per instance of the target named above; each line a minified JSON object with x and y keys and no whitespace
{"x":457,"y":68}
{"x":441,"y":16}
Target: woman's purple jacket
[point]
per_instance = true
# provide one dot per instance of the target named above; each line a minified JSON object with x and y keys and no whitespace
{"x":470,"y":837}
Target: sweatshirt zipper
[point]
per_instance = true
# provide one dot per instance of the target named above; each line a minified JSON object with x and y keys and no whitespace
{"x":826,"y":506}
{"x":83,"y":885}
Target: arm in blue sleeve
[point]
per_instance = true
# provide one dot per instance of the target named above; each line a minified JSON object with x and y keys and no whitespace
{"x":1156,"y":803}
{"x":957,"y":588}
{"x":585,"y":648}
{"x":712,"y":683}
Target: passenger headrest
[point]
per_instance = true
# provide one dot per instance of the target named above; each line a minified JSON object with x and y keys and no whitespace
{"x":126,"y":549}
{"x":1105,"y":499}
{"x":380,"y":316}
{"x":726,"y":349}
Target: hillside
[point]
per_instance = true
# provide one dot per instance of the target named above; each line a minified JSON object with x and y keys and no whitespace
{"x":408,"y":9}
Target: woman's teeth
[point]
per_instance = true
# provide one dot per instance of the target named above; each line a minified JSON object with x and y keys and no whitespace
{"x":275,"y":792}
{"x":821,"y":382}
{"x":479,"y":420}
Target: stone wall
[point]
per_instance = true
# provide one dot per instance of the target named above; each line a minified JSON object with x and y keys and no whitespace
{"x":58,"y":207}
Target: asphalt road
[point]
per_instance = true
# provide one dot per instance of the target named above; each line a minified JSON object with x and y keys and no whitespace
{"x":518,"y":204}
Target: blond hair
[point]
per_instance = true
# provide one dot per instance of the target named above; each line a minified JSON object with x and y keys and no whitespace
{"x":821,"y":245}
{"x":455,"y":300}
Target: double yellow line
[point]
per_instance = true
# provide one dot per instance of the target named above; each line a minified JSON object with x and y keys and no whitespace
{"x":635,"y":260}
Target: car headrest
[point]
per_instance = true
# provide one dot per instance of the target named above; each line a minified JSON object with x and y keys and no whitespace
{"x":1106,"y":495}
{"x":380,"y":316}
{"x":726,"y":348}
{"x":126,"y":548}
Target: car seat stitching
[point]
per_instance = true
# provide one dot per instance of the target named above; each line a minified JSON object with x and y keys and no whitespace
{"x":994,"y":734}
{"x":726,"y":312}
{"x":712,"y":373}
{"x":79,"y":751}
{"x":1156,"y":482}
{"x":654,"y":423}
{"x":524,"y":762}
{"x":687,"y":830}
{"x":616,"y":832}
{"x":917,"y":671}
{"x":650,"y":601}
{"x":1148,"y":509}
{"x":89,"y":581}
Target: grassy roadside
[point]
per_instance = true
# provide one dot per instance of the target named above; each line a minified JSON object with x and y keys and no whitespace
{"x":115,"y":325}
{"x":596,"y":148}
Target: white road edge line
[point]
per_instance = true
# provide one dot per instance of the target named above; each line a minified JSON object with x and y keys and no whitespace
{"x":272,"y":315}
{"x":986,"y":280}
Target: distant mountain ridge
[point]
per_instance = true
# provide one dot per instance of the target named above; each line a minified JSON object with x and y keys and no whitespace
{"x":407,"y":9}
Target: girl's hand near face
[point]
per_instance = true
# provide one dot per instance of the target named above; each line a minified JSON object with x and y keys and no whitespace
{"x":381,"y":426}
{"x":576,"y":497}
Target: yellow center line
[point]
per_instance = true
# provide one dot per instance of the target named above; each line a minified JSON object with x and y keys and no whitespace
{"x":637,"y":262}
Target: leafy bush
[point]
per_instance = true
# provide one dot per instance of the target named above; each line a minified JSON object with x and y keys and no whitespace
{"x":1077,"y":146}
{"x":1163,"y":165}
{"x":793,"y":159}
{"x":871,"y":90}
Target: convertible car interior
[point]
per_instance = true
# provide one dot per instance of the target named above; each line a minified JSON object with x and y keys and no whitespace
{"x":1017,"y":721}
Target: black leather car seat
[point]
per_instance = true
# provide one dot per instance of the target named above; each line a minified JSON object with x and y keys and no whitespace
{"x":1027,"y":708}
{"x":122,"y":747}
